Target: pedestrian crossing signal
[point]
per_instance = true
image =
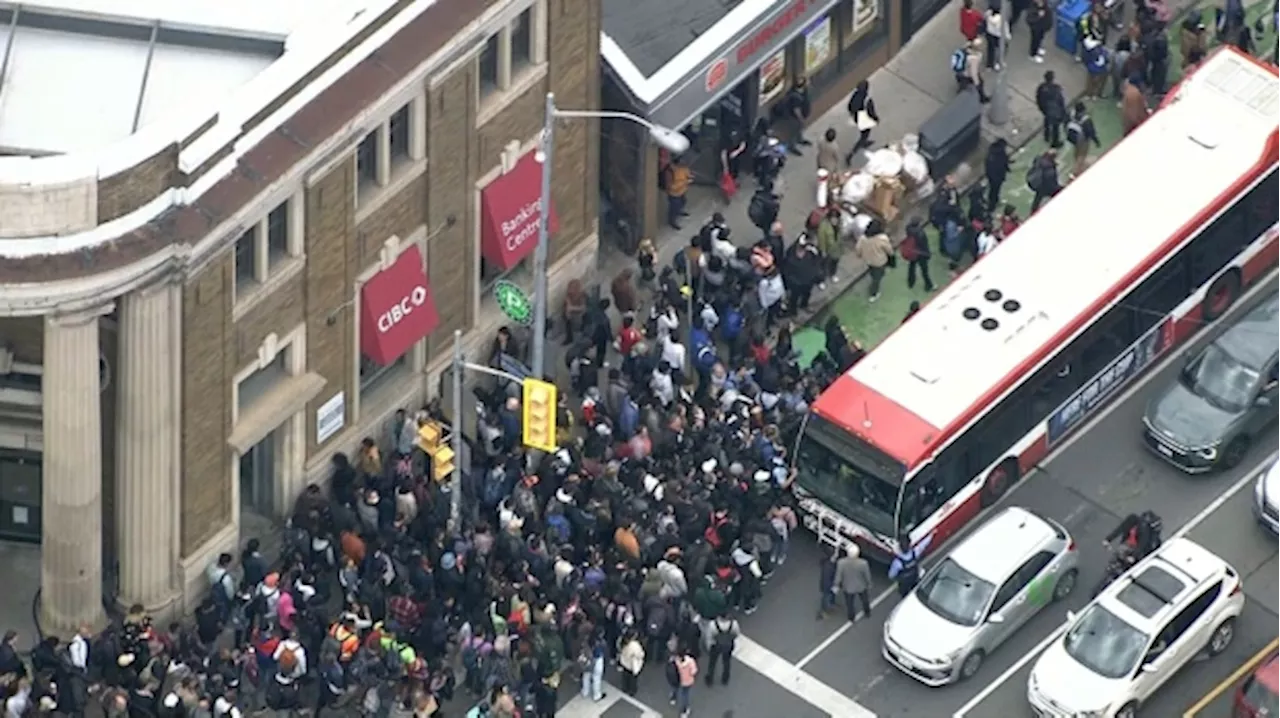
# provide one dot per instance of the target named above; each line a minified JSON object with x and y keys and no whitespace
{"x":539,"y":414}
{"x":431,"y":441}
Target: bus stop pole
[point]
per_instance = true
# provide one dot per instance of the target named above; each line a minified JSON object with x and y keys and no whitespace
{"x":998,"y":115}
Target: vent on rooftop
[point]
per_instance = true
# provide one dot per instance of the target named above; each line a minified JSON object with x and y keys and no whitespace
{"x":1011,"y":305}
{"x":971,"y":313}
{"x":992,"y":295}
{"x":990,"y":324}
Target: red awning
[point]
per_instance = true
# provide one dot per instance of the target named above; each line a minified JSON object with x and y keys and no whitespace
{"x":396,"y":309}
{"x":511,"y":209}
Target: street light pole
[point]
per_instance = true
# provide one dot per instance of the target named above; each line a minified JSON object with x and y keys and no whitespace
{"x":538,"y":358}
{"x":998,"y":115}
{"x":455,"y":483}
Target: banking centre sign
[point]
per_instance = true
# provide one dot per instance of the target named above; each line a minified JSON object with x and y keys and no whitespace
{"x":701,"y":86}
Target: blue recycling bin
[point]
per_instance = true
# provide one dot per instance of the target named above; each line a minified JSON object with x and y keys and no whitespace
{"x":1066,"y":33}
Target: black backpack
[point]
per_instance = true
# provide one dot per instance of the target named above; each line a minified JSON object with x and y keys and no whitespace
{"x":758,"y":210}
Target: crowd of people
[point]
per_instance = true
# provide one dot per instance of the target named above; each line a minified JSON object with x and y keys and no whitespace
{"x":636,"y":544}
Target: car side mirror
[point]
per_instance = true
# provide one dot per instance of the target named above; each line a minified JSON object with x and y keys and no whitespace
{"x":1263,"y":401}
{"x":1071,"y":615}
{"x":1151,"y":666}
{"x":995,"y":618}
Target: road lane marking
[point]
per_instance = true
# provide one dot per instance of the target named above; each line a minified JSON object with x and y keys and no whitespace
{"x":1244,"y":481}
{"x":581,"y":707}
{"x":797,"y":681}
{"x":1085,"y":429}
{"x":835,"y":635}
{"x":1230,"y":680}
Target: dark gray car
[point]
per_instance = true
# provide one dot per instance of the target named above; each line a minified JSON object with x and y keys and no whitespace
{"x":1223,"y":398}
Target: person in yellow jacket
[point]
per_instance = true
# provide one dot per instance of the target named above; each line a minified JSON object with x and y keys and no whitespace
{"x":876,"y":251}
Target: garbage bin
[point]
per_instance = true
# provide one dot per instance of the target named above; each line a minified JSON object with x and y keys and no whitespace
{"x":948,"y":137}
{"x":1066,"y":33}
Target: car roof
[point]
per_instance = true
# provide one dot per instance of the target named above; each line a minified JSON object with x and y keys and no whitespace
{"x":1192,"y":565}
{"x":1268,"y":674}
{"x":1000,"y":545}
{"x":1254,"y":339}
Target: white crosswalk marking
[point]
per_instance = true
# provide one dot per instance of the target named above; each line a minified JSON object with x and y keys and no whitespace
{"x":581,"y":707}
{"x":785,"y":674}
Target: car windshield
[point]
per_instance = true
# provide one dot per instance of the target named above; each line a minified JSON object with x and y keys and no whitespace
{"x":1105,"y":644}
{"x":955,"y":594}
{"x":1221,"y":380}
{"x":1263,"y":700}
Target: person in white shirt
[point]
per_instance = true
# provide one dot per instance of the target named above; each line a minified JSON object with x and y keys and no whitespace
{"x":78,"y":651}
{"x":288,"y":674}
{"x":661,"y":384}
{"x":986,"y":242}
{"x":673,"y":353}
{"x":668,"y":322}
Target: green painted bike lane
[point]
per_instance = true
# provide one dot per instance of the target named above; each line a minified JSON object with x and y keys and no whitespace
{"x":870,"y":322}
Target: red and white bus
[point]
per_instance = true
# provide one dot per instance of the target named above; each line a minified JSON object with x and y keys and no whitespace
{"x":1161,"y":235}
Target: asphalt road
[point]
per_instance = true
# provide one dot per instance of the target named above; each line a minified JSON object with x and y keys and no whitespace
{"x":792,"y":664}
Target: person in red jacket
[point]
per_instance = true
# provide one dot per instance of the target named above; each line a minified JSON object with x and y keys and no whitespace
{"x":970,"y":20}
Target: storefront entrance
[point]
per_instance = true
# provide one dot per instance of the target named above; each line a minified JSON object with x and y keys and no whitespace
{"x":713,"y":131}
{"x":258,"y":476}
{"x":20,"y":473}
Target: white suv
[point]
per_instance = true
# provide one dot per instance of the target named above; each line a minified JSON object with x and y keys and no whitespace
{"x":1131,"y":639}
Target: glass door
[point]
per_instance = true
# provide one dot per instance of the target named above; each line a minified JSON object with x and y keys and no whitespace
{"x":257,"y":477}
{"x":20,"y":502}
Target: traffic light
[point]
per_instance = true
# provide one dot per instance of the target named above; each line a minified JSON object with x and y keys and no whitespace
{"x":431,"y":441}
{"x":539,"y":407}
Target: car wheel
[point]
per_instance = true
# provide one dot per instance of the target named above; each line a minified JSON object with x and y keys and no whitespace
{"x":972,"y":662}
{"x":1222,"y":636}
{"x":1130,"y":710}
{"x":1235,"y":451}
{"x":1065,"y":585}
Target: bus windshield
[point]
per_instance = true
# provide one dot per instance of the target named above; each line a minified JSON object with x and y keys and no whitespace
{"x":848,"y":475}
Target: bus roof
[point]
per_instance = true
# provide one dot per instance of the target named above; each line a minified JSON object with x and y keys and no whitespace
{"x":1004,"y":316}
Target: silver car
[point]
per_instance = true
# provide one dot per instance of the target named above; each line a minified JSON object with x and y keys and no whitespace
{"x":973,"y":599}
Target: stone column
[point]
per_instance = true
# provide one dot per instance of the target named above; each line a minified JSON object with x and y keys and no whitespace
{"x":146,"y":421}
{"x":71,"y":555}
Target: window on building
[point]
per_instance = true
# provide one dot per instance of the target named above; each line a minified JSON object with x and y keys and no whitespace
{"x":398,"y":128}
{"x":367,"y":160}
{"x":266,"y":247}
{"x":490,"y":81}
{"x":513,"y":50}
{"x":522,"y":41}
{"x":247,"y":260}
{"x":373,"y":374}
{"x":278,"y":235}
{"x":389,"y":153}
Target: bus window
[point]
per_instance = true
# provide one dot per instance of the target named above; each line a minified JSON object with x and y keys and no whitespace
{"x":1234,"y":230}
{"x":844,"y":485}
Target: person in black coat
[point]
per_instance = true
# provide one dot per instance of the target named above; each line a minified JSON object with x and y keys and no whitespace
{"x":996,"y":168}
{"x":10,"y":662}
{"x":861,"y":108}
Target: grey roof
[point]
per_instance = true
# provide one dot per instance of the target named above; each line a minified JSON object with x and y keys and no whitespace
{"x":652,"y":32}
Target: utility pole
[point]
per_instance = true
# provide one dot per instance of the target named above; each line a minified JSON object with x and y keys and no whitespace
{"x":537,"y":363}
{"x":998,"y":114}
{"x":455,"y":484}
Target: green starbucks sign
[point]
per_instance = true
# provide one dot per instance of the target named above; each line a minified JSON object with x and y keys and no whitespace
{"x":514,"y":302}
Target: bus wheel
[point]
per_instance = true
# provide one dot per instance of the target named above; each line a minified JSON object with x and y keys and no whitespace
{"x":999,"y":481}
{"x":1222,"y":294}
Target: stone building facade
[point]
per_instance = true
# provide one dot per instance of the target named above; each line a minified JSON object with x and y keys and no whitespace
{"x":186,"y":339}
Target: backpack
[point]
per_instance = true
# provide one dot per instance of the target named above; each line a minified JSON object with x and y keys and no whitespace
{"x":288,"y":661}
{"x":560,"y":529}
{"x":673,"y":672}
{"x":548,"y":649}
{"x":1035,"y":176}
{"x":726,"y":638}
{"x":958,"y":60}
{"x":908,"y":249}
{"x":757,"y":211}
{"x":1075,"y":130}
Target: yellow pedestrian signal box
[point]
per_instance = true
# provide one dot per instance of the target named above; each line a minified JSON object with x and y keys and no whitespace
{"x":431,"y":439}
{"x":539,"y":408}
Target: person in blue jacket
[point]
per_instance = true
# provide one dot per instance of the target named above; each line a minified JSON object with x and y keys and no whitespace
{"x":905,"y":568}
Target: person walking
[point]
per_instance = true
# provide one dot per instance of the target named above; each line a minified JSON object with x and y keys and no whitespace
{"x":1042,"y":177}
{"x":1097,"y":64}
{"x":829,"y":152}
{"x":853,"y":579}
{"x":970,"y":20}
{"x":1081,"y":133}
{"x":1133,"y":105}
{"x":593,"y":658}
{"x":1052,"y":103}
{"x":915,"y":252}
{"x":863,"y":115}
{"x":876,"y":251}
{"x":829,"y":246}
{"x":798,"y":106}
{"x":1039,"y":22}
{"x":970,"y":74}
{"x":827,"y":570}
{"x":996,"y":31}
{"x":996,"y":167}
{"x":682,"y":673}
{"x":722,"y":637}
{"x":631,"y":659}
{"x":678,"y":180}
{"x":905,"y":567}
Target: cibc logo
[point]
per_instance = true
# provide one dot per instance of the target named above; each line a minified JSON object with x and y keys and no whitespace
{"x":402,"y":309}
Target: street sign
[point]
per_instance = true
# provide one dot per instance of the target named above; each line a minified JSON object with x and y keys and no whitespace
{"x":514,"y":302}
